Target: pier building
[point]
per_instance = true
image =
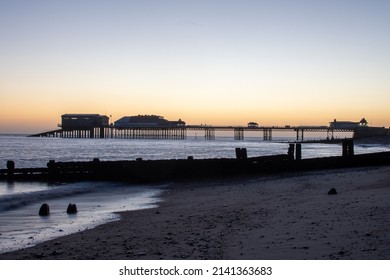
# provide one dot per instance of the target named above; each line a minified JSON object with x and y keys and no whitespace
{"x":83,"y":121}
{"x":348,"y":124}
{"x":147,"y":121}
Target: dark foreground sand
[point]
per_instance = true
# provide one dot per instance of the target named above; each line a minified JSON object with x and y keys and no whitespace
{"x":288,"y":216}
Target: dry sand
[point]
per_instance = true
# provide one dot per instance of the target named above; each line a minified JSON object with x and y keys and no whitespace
{"x":288,"y":216}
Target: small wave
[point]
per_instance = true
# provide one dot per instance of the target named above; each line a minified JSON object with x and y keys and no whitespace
{"x":16,"y":200}
{"x":21,"y":199}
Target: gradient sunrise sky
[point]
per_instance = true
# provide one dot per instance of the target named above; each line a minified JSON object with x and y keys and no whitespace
{"x":207,"y":62}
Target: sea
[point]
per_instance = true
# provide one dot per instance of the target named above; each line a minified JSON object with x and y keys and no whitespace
{"x":100,"y":202}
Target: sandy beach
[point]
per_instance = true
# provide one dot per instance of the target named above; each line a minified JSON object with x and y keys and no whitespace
{"x":284,"y":217}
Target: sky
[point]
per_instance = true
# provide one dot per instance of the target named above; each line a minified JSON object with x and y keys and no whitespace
{"x":207,"y":62}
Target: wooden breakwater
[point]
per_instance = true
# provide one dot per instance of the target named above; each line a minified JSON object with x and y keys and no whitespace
{"x":179,"y":169}
{"x":136,"y":170}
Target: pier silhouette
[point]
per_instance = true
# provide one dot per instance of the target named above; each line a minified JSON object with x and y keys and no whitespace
{"x":156,"y":127}
{"x":266,"y":132}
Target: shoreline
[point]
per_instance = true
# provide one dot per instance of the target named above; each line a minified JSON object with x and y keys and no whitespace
{"x":284,"y":217}
{"x":96,"y":202}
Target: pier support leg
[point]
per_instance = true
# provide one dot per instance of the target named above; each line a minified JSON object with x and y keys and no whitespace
{"x":209,"y":134}
{"x":300,"y":134}
{"x":238,"y":134}
{"x":330,"y":135}
{"x":267,"y":134}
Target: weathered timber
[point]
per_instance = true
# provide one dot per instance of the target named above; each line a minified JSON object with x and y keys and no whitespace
{"x":160,"y":170}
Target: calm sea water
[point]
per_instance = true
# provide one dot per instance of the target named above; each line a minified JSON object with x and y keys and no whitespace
{"x":20,"y":224}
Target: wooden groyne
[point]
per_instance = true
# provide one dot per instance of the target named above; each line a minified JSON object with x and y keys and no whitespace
{"x":178,"y":169}
{"x":137,"y":170}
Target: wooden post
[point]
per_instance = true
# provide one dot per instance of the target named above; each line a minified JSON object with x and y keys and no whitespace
{"x":244,"y":154}
{"x":298,"y":151}
{"x":290,"y":152}
{"x":345,"y":148}
{"x":238,"y":153}
{"x":10,"y":167}
{"x":350,"y":148}
{"x":241,"y":153}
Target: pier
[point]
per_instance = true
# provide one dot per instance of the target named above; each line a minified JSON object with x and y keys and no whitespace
{"x":265,"y":132}
{"x":156,"y":127}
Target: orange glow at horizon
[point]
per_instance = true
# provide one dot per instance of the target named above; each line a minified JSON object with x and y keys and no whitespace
{"x":39,"y":119}
{"x":195,"y":61}
{"x":29,"y":111}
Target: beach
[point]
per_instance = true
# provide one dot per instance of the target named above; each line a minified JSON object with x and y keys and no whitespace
{"x":286,"y":216}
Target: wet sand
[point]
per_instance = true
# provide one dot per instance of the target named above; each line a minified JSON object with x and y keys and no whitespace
{"x":283,"y":217}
